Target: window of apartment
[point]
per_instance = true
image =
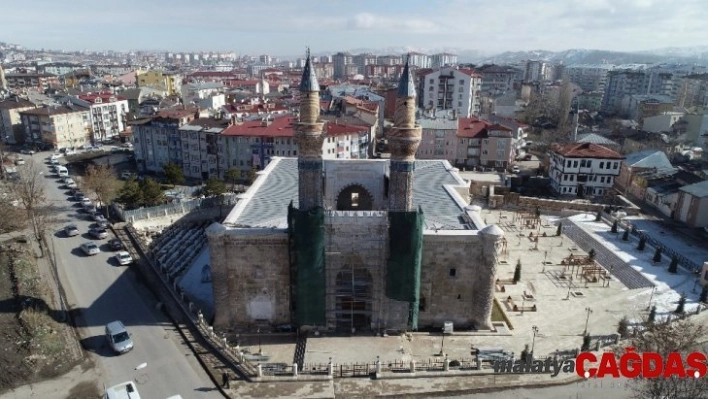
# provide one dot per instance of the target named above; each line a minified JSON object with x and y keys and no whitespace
{"x":567,"y":164}
{"x":460,"y":97}
{"x":501,"y":143}
{"x":432,"y":81}
{"x":461,"y":90}
{"x":484,"y":152}
{"x":565,"y":177}
{"x":582,"y":163}
{"x":588,"y":164}
{"x":459,"y":103}
{"x":431,"y":88}
{"x":616,"y":165}
{"x":609,"y":179}
{"x":575,"y":164}
{"x":500,"y":154}
{"x":602,"y":165}
{"x":294,"y":153}
{"x":462,"y":82}
{"x":602,"y":179}
{"x":453,"y":272}
{"x":485,"y":141}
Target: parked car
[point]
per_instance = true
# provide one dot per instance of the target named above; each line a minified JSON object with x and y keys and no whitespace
{"x":89,"y":248}
{"x":115,"y":244}
{"x":19,"y":161}
{"x":97,"y":216}
{"x":71,"y":230}
{"x":123,"y":258}
{"x":27,"y":151}
{"x":128,"y":175}
{"x":71,"y":184}
{"x":98,"y":232}
{"x":85,"y":201}
{"x":515,"y":169}
{"x":102,"y":224}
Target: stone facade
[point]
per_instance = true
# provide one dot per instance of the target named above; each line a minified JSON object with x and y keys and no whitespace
{"x":250,"y":278}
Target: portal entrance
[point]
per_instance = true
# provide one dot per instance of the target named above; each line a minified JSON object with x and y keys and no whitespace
{"x":353,"y":300}
{"x":355,"y":198}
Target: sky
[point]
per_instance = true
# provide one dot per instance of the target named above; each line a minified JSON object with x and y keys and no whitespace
{"x":286,"y":27}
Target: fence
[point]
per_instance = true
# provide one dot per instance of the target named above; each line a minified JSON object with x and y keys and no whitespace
{"x":176,"y":208}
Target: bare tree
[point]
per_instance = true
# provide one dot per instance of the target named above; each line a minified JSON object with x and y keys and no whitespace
{"x":681,"y":336}
{"x":29,"y":191}
{"x":100,"y":180}
{"x":565,"y":98}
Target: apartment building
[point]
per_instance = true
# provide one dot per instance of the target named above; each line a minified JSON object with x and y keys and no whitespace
{"x":56,"y":127}
{"x":362,"y":60}
{"x":11,"y":130}
{"x":59,"y":68}
{"x":590,"y":77}
{"x":497,"y":79}
{"x":482,"y":143}
{"x":108,"y":113}
{"x":38,"y":81}
{"x":156,"y":139}
{"x":637,"y":107}
{"x":419,"y":60}
{"x":341,"y":61}
{"x":170,"y":82}
{"x":626,"y":82}
{"x":537,"y":71}
{"x":390,"y":60}
{"x":440,"y":60}
{"x":583,"y":170}
{"x":694,"y":91}
{"x":438,"y":138}
{"x":451,"y":89}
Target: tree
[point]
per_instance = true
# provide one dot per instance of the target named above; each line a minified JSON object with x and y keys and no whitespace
{"x":29,"y":191}
{"x":252,"y":175}
{"x":100,"y":180}
{"x":591,"y":254}
{"x":525,"y":353}
{"x":213,"y":187}
{"x":681,"y":336}
{"x":625,"y":236}
{"x":152,"y":193}
{"x":560,"y":229}
{"x":673,"y":266}
{"x":614,"y":227}
{"x":642,"y":243}
{"x":657,"y":255}
{"x":704,"y":294}
{"x":130,"y":195}
{"x":623,"y":327}
{"x":173,"y":173}
{"x":681,"y":304}
{"x":565,"y":98}
{"x":517,"y":271}
{"x":652,"y":315}
{"x":586,"y":343}
{"x":233,"y":175}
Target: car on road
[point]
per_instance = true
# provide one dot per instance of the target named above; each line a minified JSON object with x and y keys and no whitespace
{"x":71,"y":230}
{"x":128,"y":175}
{"x":98,"y":232}
{"x":89,"y":248}
{"x":85,"y":201}
{"x":97,"y":216}
{"x":115,"y":244}
{"x":515,"y":169}
{"x":70,"y":183}
{"x":125,"y":390}
{"x":27,"y":151}
{"x":123,"y":258}
{"x":118,"y":337}
{"x":102,"y":224}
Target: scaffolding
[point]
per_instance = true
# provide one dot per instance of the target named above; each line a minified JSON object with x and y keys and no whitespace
{"x":355,"y":260}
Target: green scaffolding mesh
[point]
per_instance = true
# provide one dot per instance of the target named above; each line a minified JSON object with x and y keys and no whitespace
{"x":406,"y":251}
{"x":307,"y":230}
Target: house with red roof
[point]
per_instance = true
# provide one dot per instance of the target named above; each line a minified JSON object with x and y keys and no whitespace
{"x":483,"y":143}
{"x":583,"y":170}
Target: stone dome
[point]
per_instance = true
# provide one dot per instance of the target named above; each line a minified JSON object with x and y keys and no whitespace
{"x":492,"y":230}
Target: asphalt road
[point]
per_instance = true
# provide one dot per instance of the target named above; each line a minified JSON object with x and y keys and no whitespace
{"x":103,"y":292}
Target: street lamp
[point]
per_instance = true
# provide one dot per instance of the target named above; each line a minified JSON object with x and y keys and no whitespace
{"x":442,"y":343}
{"x":587,"y":320}
{"x":534,"y":329}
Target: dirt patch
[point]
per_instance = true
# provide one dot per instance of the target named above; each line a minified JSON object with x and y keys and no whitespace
{"x":85,"y":389}
{"x":32,"y":339}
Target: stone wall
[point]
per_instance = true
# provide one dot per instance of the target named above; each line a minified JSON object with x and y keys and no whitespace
{"x":530,"y":203}
{"x":251,"y":277}
{"x":446,"y":297}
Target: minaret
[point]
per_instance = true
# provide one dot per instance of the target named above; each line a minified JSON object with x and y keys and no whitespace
{"x":403,"y":140}
{"x":309,"y":138}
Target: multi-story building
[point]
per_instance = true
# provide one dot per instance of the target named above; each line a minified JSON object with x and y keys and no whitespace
{"x":169,"y":81}
{"x":694,"y":91}
{"x":265,"y":59}
{"x":59,"y":68}
{"x":156,"y":139}
{"x":451,"y":89}
{"x":481,"y":143}
{"x":438,"y":139}
{"x":639,"y":168}
{"x":692,"y":205}
{"x":382,"y":71}
{"x":590,"y":77}
{"x":419,"y":60}
{"x":497,"y":79}
{"x":108,"y":113}
{"x":56,"y":127}
{"x":537,"y":71}
{"x":390,"y":60}
{"x":111,"y":69}
{"x":341,"y":61}
{"x":323,"y":70}
{"x":362,"y":60}
{"x":11,"y":130}
{"x":441,"y":60}
{"x":583,"y":170}
{"x":39,"y":81}
{"x":638,"y":106}
{"x":627,"y":82}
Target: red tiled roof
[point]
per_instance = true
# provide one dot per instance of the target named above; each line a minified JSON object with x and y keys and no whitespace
{"x":279,"y":127}
{"x":472,"y":128}
{"x":336,"y":129}
{"x":586,"y":150}
{"x":470,"y":72}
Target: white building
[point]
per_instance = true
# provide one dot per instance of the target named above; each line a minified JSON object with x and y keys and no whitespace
{"x":451,"y":89}
{"x":583,"y":170}
{"x":200,"y":91}
{"x":442,"y":60}
{"x":590,"y":77}
{"x":108,"y":112}
{"x":419,"y":60}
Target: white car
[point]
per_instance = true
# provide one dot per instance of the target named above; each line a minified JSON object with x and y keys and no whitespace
{"x":86,"y":202}
{"x":70,"y":183}
{"x":123,"y":258}
{"x":515,"y":169}
{"x":89,"y":248}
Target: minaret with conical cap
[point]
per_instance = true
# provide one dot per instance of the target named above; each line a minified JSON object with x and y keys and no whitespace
{"x":309,"y":139}
{"x":403,"y":140}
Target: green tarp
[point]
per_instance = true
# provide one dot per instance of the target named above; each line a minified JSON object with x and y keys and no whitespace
{"x":406,"y":252}
{"x":307,"y":230}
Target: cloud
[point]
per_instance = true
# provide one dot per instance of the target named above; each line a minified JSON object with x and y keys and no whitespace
{"x":403,"y":24}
